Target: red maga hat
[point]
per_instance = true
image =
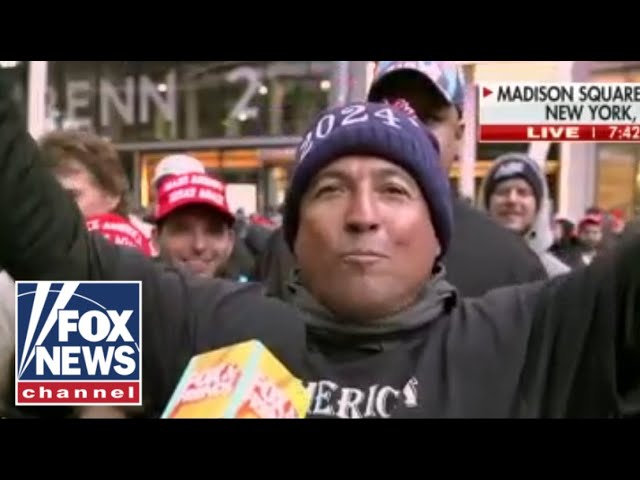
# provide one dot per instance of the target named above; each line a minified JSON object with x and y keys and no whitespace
{"x":175,"y":191}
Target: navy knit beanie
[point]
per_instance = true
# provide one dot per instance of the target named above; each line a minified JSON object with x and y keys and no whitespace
{"x":378,"y":130}
{"x":515,"y":165}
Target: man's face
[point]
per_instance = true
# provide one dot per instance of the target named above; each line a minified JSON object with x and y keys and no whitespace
{"x":442,"y":118}
{"x":513,"y":205}
{"x":617,"y":224}
{"x":196,"y":237}
{"x":84,"y":189}
{"x":365,"y":244}
{"x":591,"y":235}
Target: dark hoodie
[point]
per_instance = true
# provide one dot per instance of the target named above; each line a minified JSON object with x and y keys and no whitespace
{"x":566,"y":348}
{"x":350,"y":364}
{"x":276,"y":266}
{"x":539,"y":236}
{"x":484,"y":256}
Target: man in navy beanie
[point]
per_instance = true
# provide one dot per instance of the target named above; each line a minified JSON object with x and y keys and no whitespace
{"x":336,"y":134}
{"x":368,"y":212}
{"x":483,"y":255}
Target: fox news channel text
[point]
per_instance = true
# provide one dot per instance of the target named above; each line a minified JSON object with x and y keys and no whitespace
{"x":559,"y":112}
{"x":78,"y":343}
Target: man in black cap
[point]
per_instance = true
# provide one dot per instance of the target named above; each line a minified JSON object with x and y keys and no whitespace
{"x":482,"y":255}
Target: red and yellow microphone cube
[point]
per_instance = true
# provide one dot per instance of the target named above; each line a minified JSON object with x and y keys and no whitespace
{"x":240,"y":381}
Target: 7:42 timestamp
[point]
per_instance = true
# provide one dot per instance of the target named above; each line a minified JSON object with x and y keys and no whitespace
{"x":624,"y":132}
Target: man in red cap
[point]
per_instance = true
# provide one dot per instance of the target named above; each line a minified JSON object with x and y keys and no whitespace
{"x":194,"y":223}
{"x":590,"y":237}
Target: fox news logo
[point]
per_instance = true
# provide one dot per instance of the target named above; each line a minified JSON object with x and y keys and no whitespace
{"x":78,"y":343}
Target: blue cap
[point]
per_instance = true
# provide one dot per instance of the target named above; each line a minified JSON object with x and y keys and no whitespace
{"x":446,"y":76}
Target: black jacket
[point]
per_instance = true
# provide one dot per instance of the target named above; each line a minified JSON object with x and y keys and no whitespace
{"x":566,"y":348}
{"x":241,"y":265}
{"x":276,"y":266}
{"x":482,"y":256}
{"x":247,"y":250}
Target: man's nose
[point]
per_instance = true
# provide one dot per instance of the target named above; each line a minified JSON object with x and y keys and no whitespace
{"x":512,"y":196}
{"x":199,"y":241}
{"x":362,"y":213}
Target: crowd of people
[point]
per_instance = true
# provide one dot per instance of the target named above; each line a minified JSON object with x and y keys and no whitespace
{"x":382,"y":289}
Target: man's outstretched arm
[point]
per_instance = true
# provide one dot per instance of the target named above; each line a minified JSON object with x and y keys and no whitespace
{"x":42,"y":233}
{"x":43,"y":237}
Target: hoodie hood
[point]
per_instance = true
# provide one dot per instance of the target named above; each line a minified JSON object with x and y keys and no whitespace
{"x":540,"y":235}
{"x":437,"y":297}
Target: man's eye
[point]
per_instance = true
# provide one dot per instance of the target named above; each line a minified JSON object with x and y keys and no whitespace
{"x":395,"y":190}
{"x":326,"y":189}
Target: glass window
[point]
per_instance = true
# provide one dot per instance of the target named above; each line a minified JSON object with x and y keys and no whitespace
{"x":617,"y":166}
{"x":148,"y":101}
{"x":618,"y":185}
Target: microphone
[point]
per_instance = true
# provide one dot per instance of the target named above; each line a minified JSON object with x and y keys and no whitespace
{"x":241,"y":381}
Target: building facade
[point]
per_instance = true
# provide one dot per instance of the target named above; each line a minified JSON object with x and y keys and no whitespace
{"x":615,"y":167}
{"x":243,"y":120}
